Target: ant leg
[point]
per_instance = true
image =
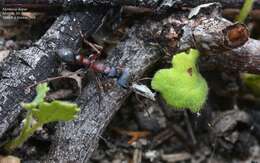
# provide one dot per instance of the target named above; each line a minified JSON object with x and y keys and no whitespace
{"x":100,"y":90}
{"x":97,"y":48}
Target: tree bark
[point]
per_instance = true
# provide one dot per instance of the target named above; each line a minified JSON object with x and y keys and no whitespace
{"x":242,"y":59}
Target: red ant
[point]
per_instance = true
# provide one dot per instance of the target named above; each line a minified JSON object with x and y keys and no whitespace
{"x":68,"y":56}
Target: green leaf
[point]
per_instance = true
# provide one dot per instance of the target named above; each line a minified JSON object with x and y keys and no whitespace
{"x":41,"y":91}
{"x":43,"y":112}
{"x":55,"y":111}
{"x":182,"y":86}
{"x":244,"y":12}
{"x":252,"y":81}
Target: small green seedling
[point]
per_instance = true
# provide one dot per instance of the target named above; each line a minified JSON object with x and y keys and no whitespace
{"x":41,"y":112}
{"x":252,"y":81}
{"x":246,"y":9}
{"x":182,"y":86}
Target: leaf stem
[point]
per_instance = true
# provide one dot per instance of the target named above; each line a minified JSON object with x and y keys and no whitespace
{"x":244,"y":12}
{"x":26,"y":132}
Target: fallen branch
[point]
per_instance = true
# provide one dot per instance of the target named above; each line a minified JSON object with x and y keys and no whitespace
{"x":243,"y":59}
{"x":75,"y":141}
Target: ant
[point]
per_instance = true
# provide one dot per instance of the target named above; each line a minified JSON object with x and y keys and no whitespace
{"x":69,"y":56}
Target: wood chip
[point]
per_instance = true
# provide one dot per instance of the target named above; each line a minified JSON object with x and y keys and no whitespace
{"x":176,"y":157}
{"x":137,"y":157}
{"x":4,"y":54}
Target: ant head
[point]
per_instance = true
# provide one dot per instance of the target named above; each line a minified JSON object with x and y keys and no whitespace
{"x":66,"y":55}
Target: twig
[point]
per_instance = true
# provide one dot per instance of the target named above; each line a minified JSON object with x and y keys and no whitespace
{"x":189,"y":127}
{"x":51,"y":79}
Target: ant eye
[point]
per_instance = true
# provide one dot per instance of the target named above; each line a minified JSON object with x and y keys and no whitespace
{"x":66,"y":55}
